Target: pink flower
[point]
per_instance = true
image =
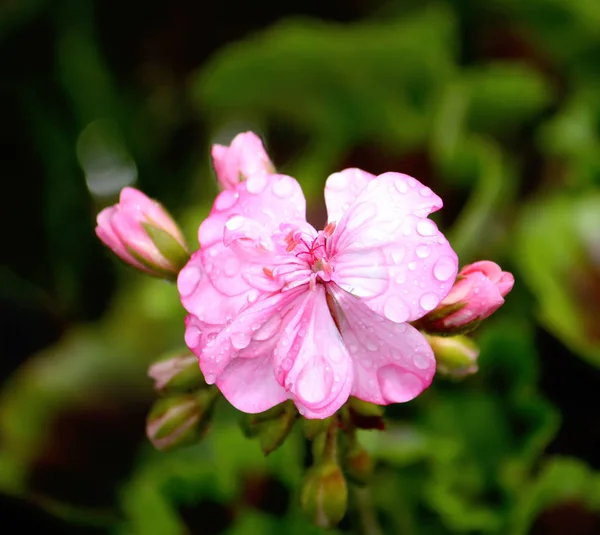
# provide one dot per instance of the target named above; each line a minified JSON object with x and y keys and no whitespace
{"x":243,"y":158}
{"x":280,"y":311}
{"x":478,"y":292}
{"x":142,"y":234}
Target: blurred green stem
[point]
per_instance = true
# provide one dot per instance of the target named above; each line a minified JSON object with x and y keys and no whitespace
{"x":365,"y":512}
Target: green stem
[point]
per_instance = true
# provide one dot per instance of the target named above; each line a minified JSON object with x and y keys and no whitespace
{"x":369,"y":525}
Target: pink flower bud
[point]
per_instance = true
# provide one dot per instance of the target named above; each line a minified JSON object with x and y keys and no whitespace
{"x":142,"y":234}
{"x":477,"y":293}
{"x":245,"y":156}
{"x":177,"y":373}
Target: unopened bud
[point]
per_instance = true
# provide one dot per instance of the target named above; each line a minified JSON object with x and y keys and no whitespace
{"x":244,"y":157}
{"x":179,"y":420}
{"x":143,"y":234}
{"x":324,"y":494}
{"x":271,"y":427}
{"x":456,"y":356}
{"x":478,"y":291}
{"x":177,"y":373}
{"x":358,"y":463}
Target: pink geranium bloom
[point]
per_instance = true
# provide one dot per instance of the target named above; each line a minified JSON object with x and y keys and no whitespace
{"x":477,"y":293}
{"x":279,"y":310}
{"x":245,"y":156}
{"x":133,"y":227}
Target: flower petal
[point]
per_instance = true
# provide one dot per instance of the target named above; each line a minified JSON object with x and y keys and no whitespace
{"x":342,"y":188}
{"x":387,"y":252}
{"x":393,"y":362}
{"x":200,"y":297}
{"x":268,"y":199}
{"x":249,"y":384}
{"x":310,"y":358}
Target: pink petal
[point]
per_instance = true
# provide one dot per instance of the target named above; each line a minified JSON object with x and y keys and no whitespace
{"x":268,"y":199}
{"x":250,"y":386}
{"x":310,"y":358}
{"x":202,"y":299}
{"x":342,"y":188}
{"x":387,"y":252}
{"x":393,"y":362}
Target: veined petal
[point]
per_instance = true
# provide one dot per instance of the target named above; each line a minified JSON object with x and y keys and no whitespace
{"x":249,"y":384}
{"x":393,"y":362}
{"x":342,"y":188}
{"x":201,"y":298}
{"x":310,"y":358}
{"x":268,"y":199}
{"x":387,"y":252}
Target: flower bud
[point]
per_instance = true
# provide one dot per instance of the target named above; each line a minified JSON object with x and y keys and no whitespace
{"x":456,"y":356}
{"x":179,"y":420}
{"x":272,"y":426}
{"x":245,"y":156}
{"x":143,"y":234}
{"x":324,"y":494}
{"x":477,"y":293}
{"x":177,"y":373}
{"x":358,"y":463}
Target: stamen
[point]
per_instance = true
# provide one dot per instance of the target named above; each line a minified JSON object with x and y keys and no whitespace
{"x":268,"y":273}
{"x":329,"y":229}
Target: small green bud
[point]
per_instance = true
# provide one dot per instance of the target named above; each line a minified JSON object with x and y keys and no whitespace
{"x":456,"y":356}
{"x":179,"y":420}
{"x":358,"y":464}
{"x":271,"y":427}
{"x":177,"y":373}
{"x":324,"y":494}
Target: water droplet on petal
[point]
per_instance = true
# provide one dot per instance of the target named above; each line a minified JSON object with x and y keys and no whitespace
{"x":256,"y":183}
{"x":426,"y":227}
{"x":444,"y":268}
{"x":235,"y":222}
{"x":412,"y":266}
{"x":423,"y":251}
{"x":397,"y":255}
{"x":422,"y":361}
{"x":209,"y":378}
{"x":192,"y":336}
{"x":314,"y":382}
{"x":397,"y":385}
{"x":188,"y":280}
{"x":429,"y":301}
{"x":425,"y":191}
{"x":395,"y":310}
{"x":225,"y":200}
{"x":231,"y":266}
{"x":371,"y":345}
{"x":366,"y":362}
{"x":287,"y":364}
{"x":240,"y":340}
{"x":283,"y":187}
{"x":252,"y":296}
{"x":401,"y":185}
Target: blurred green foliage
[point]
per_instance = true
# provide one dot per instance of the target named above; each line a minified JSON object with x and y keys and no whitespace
{"x":499,"y":105}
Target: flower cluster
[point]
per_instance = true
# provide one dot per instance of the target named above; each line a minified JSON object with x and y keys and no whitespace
{"x":278,"y":310}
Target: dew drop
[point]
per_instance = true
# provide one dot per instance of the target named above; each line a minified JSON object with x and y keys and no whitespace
{"x":397,"y":255}
{"x":287,"y":364}
{"x":423,"y":251}
{"x":269,"y":328}
{"x":314,"y":382}
{"x":240,"y":340}
{"x":429,"y":301}
{"x":235,"y":222}
{"x":412,"y":266}
{"x":426,"y":227}
{"x":422,"y":361}
{"x":231,"y":266}
{"x":252,"y":295}
{"x":225,"y":200}
{"x":256,"y":183}
{"x":425,"y":191}
{"x":397,"y":385}
{"x":443,"y":269}
{"x":401,"y":185}
{"x":192,"y":336}
{"x":188,"y":280}
{"x":283,"y":187}
{"x":367,"y":362}
{"x":395,"y":310}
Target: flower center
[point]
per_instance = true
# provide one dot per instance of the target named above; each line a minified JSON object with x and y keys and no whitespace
{"x":313,"y":252}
